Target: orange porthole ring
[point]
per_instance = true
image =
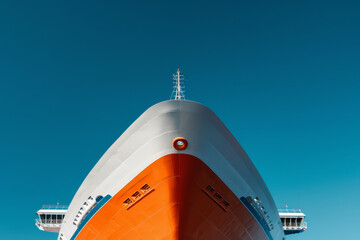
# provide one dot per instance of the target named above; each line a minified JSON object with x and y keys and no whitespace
{"x":180,"y":143}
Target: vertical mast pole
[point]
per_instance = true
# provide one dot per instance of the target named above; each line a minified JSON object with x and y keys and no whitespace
{"x":178,"y":92}
{"x":178,"y":86}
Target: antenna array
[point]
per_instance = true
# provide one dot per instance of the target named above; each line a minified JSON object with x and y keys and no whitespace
{"x":178,"y":88}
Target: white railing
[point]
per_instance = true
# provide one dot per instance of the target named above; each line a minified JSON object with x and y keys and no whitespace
{"x":53,"y":206}
{"x":48,"y":222}
{"x":39,"y":222}
{"x":303,"y":225}
{"x":52,"y":227}
{"x":289,"y":210}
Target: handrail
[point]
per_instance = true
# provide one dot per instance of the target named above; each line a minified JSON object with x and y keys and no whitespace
{"x":303,"y":225}
{"x":53,"y":206}
{"x":38,"y":222}
{"x":289,"y":210}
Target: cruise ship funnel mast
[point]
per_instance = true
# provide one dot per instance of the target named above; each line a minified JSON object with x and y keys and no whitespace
{"x":178,"y":88}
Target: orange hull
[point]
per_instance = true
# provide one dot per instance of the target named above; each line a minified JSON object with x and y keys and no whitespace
{"x":176,"y":197}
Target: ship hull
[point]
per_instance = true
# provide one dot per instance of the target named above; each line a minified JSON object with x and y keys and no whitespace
{"x":178,"y":203}
{"x":176,"y":197}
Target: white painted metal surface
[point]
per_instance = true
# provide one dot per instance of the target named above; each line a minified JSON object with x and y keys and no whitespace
{"x":150,"y":137}
{"x":292,"y":220}
{"x":50,"y":217}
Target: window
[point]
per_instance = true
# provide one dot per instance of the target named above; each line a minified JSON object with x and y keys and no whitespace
{"x":59,"y":218}
{"x":298,"y":221}
{"x":53,"y":219}
{"x":48,"y":218}
{"x":283,"y":221}
{"x":293,"y":222}
{"x":287,"y":221}
{"x":42,"y":218}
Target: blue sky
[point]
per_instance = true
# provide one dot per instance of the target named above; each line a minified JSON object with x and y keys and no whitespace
{"x":282,"y":75}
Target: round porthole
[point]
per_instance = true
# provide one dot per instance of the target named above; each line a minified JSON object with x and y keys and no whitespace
{"x":180,"y":143}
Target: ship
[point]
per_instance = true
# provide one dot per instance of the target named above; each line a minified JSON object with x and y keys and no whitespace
{"x":177,"y":173}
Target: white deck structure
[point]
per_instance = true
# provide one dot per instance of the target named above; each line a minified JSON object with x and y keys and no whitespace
{"x":50,"y":217}
{"x":292,"y":220}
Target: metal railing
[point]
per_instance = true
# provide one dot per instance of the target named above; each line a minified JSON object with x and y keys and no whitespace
{"x":48,"y":221}
{"x":49,"y":226}
{"x":289,"y":210}
{"x":303,"y":225}
{"x":54,"y":206}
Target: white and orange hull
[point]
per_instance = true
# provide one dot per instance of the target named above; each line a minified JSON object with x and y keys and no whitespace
{"x":151,"y":190}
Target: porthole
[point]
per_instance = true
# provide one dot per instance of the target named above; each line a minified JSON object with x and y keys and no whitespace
{"x":180,"y":143}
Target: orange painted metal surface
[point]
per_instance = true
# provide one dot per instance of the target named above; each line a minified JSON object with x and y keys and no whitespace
{"x":184,"y":200}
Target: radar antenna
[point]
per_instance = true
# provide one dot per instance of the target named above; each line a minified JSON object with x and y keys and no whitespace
{"x":178,"y":88}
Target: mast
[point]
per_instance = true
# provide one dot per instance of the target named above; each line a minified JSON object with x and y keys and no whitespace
{"x":178,"y":88}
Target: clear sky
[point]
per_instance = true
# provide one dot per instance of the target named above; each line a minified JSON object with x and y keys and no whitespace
{"x":284,"y":76}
